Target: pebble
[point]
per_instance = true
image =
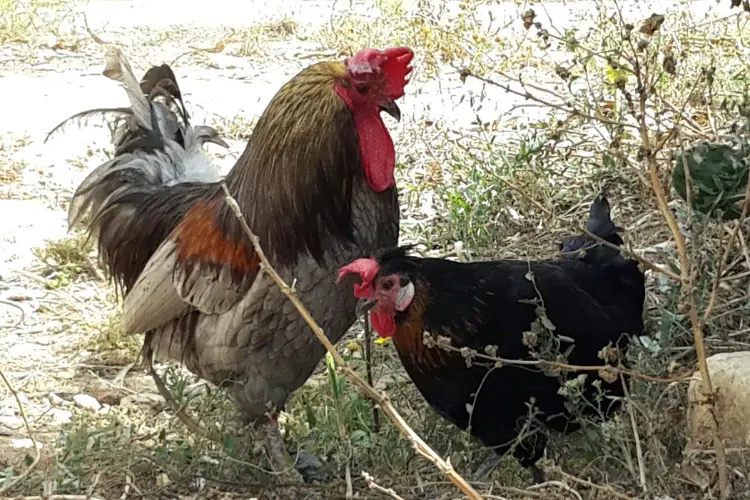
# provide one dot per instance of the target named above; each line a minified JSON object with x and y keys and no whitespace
{"x":24,"y":443}
{"x":87,"y":402}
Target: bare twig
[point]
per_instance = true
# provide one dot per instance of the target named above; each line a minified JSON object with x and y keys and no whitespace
{"x":37,"y":454}
{"x":20,"y":320}
{"x":375,"y":486}
{"x":646,"y":263}
{"x":527,"y":95}
{"x":636,"y":436}
{"x":557,"y":365}
{"x":93,"y":35}
{"x":417,"y":442}
{"x":686,"y":265}
{"x":607,"y":489}
{"x":368,"y":367}
{"x":178,"y":410}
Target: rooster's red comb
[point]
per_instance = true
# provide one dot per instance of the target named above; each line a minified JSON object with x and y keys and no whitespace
{"x":394,"y":63}
{"x":366,"y":269}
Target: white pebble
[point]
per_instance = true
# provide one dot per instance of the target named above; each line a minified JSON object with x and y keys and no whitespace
{"x":87,"y":402}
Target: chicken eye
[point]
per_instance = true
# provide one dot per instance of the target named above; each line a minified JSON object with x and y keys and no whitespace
{"x":387,"y":285}
{"x":362,"y":89}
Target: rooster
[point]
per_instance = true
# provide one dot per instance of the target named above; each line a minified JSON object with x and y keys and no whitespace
{"x":316,"y":184}
{"x":592,"y":298}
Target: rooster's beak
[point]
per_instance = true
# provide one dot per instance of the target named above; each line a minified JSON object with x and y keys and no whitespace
{"x":390,"y":107}
{"x":363,"y":306}
{"x":218,"y":140}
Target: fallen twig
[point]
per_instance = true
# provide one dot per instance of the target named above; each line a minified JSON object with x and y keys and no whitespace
{"x":585,"y":482}
{"x":375,"y":486}
{"x":417,"y":442}
{"x":38,"y":454}
{"x":636,"y":436}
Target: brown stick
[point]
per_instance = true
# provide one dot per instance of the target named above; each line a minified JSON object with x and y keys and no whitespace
{"x":685,"y":269}
{"x":38,"y":454}
{"x":368,"y":365}
{"x":382,"y":399}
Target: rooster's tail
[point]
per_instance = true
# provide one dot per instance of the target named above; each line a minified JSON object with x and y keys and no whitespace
{"x":158,"y":171}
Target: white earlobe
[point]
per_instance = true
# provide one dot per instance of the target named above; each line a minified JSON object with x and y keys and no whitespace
{"x":404,"y":297}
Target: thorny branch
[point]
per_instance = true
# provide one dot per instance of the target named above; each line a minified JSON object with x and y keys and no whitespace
{"x":382,"y":399}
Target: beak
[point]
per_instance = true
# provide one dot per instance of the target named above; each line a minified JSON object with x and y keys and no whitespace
{"x":390,"y":107}
{"x":218,"y":140}
{"x":363,"y":306}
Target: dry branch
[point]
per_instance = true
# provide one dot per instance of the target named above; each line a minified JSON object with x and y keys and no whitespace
{"x":382,"y":399}
{"x":38,"y":454}
{"x":686,"y":264}
{"x":376,"y":487}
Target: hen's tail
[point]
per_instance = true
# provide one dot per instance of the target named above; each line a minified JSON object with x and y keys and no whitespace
{"x":599,"y":224}
{"x":158,"y":171}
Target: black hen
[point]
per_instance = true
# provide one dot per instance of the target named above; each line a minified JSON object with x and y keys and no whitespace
{"x":591,"y":299}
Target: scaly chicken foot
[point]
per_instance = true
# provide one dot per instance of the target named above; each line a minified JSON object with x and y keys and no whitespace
{"x":287,"y":463}
{"x":282,"y":463}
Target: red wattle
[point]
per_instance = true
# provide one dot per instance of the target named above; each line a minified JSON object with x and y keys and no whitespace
{"x":383,"y":323}
{"x":377,"y":150}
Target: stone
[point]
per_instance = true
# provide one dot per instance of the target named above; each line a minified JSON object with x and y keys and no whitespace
{"x":730,"y":378}
{"x":87,"y":402}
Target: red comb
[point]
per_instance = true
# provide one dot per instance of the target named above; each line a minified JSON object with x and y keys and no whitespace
{"x":396,"y":68}
{"x":366,"y":269}
{"x":394,"y":63}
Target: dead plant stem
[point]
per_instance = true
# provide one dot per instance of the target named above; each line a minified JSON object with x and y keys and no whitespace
{"x":382,"y":399}
{"x":37,"y":454}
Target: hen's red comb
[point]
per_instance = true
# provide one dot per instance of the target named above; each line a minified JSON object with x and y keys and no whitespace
{"x":393,"y":63}
{"x":366,"y":269}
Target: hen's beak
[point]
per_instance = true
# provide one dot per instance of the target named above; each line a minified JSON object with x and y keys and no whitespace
{"x":390,"y":107}
{"x":363,"y":306}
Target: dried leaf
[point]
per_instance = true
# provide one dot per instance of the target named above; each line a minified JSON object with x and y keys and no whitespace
{"x":652,"y":24}
{"x":528,"y":18}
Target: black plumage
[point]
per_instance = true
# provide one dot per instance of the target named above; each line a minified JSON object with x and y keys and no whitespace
{"x":593,"y":299}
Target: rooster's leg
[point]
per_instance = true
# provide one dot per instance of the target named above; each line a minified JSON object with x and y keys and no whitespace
{"x":296,"y":466}
{"x":281,"y":461}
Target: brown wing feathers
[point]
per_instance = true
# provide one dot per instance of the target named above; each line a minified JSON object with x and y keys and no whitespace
{"x":200,"y":238}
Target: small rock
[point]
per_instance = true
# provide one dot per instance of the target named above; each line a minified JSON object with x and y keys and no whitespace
{"x":106,"y":395}
{"x":61,"y":416}
{"x":24,"y":443}
{"x":162,"y":480}
{"x":87,"y":402}
{"x":56,"y":400}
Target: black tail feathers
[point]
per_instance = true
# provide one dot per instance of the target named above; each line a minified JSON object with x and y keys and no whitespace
{"x":599,"y":224}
